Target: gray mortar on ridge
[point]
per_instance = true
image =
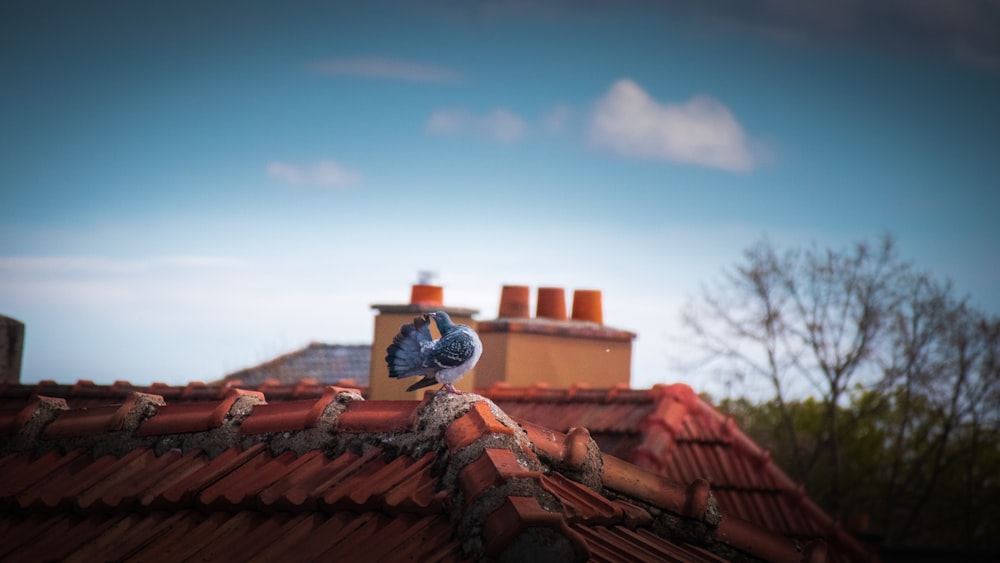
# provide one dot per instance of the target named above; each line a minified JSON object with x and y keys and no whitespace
{"x":121,"y":442}
{"x":321,"y":437}
{"x":216,"y":440}
{"x":29,"y":436}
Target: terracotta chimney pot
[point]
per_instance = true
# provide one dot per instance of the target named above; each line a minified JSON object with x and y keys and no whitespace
{"x":587,"y":306}
{"x":427,"y":295}
{"x":514,"y":302}
{"x":551,"y":303}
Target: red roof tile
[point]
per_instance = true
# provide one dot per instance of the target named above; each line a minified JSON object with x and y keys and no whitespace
{"x":674,"y":433}
{"x":334,"y":476}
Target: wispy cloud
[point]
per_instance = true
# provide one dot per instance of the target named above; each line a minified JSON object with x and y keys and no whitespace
{"x":629,"y":122}
{"x":323,"y":174}
{"x":500,"y":125}
{"x":391,"y":69}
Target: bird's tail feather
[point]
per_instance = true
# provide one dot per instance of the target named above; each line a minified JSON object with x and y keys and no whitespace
{"x":405,"y":356}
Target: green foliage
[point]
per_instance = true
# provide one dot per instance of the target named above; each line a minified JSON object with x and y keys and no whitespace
{"x":964,"y":506}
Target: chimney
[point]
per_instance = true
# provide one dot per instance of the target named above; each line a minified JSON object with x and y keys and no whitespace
{"x":424,"y":298}
{"x":522,"y":351}
{"x":427,"y":295}
{"x":514,"y":302}
{"x":587,"y":306}
{"x":551,"y":303}
{"x":11,"y":348}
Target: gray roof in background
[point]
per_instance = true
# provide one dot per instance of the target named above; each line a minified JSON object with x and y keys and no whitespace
{"x":326,"y":363}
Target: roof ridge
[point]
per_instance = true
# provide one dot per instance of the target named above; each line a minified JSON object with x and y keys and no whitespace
{"x":542,"y":391}
{"x":307,"y":388}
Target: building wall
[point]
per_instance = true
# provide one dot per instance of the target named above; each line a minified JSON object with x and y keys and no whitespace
{"x":521,"y":359}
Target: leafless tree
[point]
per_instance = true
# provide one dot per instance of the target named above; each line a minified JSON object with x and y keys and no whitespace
{"x":804,"y":322}
{"x":835,"y":325}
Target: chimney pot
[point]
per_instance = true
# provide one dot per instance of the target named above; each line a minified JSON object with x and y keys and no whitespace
{"x":551,"y":303}
{"x":514,"y":302}
{"x":587,"y":306}
{"x":427,"y":295}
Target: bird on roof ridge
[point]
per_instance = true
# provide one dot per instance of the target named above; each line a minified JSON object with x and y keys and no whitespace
{"x":415,"y":352}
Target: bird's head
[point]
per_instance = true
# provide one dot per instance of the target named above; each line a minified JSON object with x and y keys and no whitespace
{"x":442,"y":320}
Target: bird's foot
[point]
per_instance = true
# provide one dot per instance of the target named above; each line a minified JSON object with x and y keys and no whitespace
{"x":451,"y":389}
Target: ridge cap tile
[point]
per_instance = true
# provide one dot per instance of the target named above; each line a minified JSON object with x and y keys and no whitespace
{"x":491,"y":469}
{"x":378,"y":416}
{"x":644,"y":485}
{"x":752,"y":539}
{"x":281,"y":416}
{"x":92,"y":421}
{"x":190,"y":417}
{"x":477,"y":422}
{"x":39,"y":409}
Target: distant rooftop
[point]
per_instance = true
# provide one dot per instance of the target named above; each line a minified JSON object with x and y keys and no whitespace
{"x":325,"y":363}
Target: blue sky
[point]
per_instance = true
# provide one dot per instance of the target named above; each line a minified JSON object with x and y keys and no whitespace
{"x":189,"y":188}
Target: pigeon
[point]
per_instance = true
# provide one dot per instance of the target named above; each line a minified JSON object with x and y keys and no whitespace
{"x":445,"y":360}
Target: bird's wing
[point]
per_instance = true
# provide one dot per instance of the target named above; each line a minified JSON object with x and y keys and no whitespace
{"x":451,"y":350}
{"x":408,"y":353}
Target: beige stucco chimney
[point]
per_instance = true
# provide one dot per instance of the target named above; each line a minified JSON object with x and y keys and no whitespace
{"x":549,"y":348}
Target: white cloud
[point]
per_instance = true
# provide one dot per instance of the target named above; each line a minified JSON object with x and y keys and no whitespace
{"x":393,"y":69}
{"x":630,"y":123}
{"x":324,"y":174}
{"x":557,"y":119}
{"x":500,"y":125}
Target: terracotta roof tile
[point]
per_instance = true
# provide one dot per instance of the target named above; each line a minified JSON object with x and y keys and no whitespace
{"x":292,"y":415}
{"x":580,"y":504}
{"x":383,"y":416}
{"x":197,"y":417}
{"x":473,"y":425}
{"x":611,"y":543}
{"x":333,"y":476}
{"x":674,"y":433}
